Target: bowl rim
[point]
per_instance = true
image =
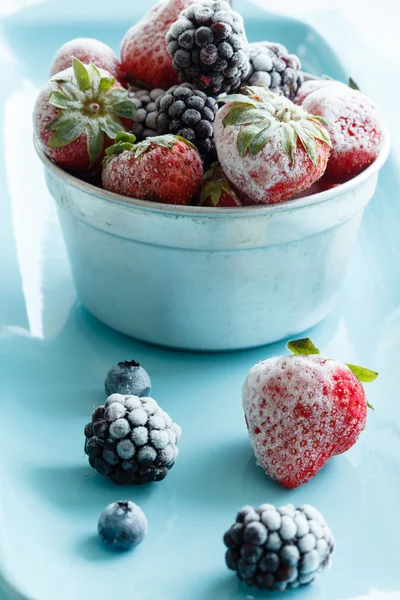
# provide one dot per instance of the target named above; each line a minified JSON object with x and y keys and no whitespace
{"x":212,"y":211}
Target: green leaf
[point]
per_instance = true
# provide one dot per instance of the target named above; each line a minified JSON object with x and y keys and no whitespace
{"x":245,"y":137}
{"x":316,"y":131}
{"x":240,"y":99}
{"x":67,"y":134}
{"x":94,"y":77}
{"x":106,"y":84}
{"x":363,"y":374}
{"x":62,"y":101}
{"x":70,"y":89}
{"x":95,"y":140}
{"x":289,"y":141}
{"x":116,"y":95}
{"x":118,"y":148}
{"x":63,"y":118}
{"x":126,"y":108}
{"x":81,"y":75}
{"x":352,"y":84}
{"x":111,"y":125}
{"x":308,"y":142}
{"x":260,"y":140}
{"x":242,"y":115}
{"x":369,"y":405}
{"x":125,"y":136}
{"x":303,"y":346}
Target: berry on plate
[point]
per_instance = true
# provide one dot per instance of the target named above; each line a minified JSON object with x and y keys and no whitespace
{"x":354,"y":126}
{"x":278,"y":548}
{"x":272,"y":65}
{"x":209,"y":47}
{"x":128,"y":377}
{"x":164,"y":168}
{"x":87,"y":50}
{"x":131,"y":440}
{"x":122,"y":525}
{"x":189,"y":113}
{"x":216,"y":190}
{"x":78,"y":113}
{"x":312,"y":85}
{"x":268,"y":147}
{"x":302,"y":410}
{"x":144,"y":55}
{"x":144,"y":123}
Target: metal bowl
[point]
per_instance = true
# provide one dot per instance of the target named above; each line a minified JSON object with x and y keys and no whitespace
{"x":203,"y":278}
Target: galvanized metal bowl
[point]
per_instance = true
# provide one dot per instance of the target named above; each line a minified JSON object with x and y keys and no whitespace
{"x":205,"y":278}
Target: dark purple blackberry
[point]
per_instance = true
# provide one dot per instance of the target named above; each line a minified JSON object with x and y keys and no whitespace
{"x":183,"y":110}
{"x":131,"y":440}
{"x":144,"y":123}
{"x":272,"y":65}
{"x":278,"y":548}
{"x":209,"y":47}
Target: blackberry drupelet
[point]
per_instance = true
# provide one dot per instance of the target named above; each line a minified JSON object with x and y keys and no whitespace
{"x":272,"y":65}
{"x":131,"y":440}
{"x":183,"y":110}
{"x":209,"y":47}
{"x":278,"y":548}
{"x":144,"y":123}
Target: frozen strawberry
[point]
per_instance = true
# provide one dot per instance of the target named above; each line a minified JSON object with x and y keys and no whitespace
{"x":312,"y":85}
{"x":216,"y":190}
{"x":144,"y":54}
{"x":163,"y":168}
{"x":268,"y":147}
{"x":78,"y":113}
{"x":86,"y":50}
{"x":354,"y":126}
{"x":302,"y":410}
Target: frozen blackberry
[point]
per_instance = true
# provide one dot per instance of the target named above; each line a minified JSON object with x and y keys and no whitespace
{"x":144,"y":123}
{"x":272,"y":65}
{"x":278,"y":548}
{"x":131,"y":440}
{"x":209,"y":47}
{"x":183,"y":110}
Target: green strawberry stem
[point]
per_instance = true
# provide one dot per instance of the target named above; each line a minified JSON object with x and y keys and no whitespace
{"x":89,"y":104}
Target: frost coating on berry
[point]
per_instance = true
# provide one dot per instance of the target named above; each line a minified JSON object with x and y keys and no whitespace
{"x":131,"y":448}
{"x":122,"y":525}
{"x":272,"y":174}
{"x":355,"y":128}
{"x":87,"y":50}
{"x":144,"y":55}
{"x":312,"y":85}
{"x":316,"y":403}
{"x":276,"y":560}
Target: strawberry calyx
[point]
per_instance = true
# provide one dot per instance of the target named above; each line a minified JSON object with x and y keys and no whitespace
{"x":126,"y":141}
{"x":89,"y":104}
{"x":215,"y":184}
{"x":264,"y":114}
{"x":305,"y":347}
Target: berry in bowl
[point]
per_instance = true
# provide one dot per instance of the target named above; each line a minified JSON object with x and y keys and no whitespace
{"x":229,"y":190}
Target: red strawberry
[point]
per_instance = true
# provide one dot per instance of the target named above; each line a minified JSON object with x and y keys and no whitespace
{"x":144,"y":54}
{"x":164,"y":168}
{"x":86,"y":50}
{"x":302,"y":410}
{"x":312,"y":85}
{"x":77,"y":115}
{"x":268,"y":147}
{"x":216,"y":190}
{"x":354,"y":126}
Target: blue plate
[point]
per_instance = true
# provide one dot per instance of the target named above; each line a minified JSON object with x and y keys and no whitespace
{"x":54,"y":357}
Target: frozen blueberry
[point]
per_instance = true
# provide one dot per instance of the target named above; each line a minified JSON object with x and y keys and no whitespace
{"x":128,"y":378}
{"x":122,"y":525}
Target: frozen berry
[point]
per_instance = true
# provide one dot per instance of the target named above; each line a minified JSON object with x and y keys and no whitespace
{"x":122,"y":525}
{"x":129,"y":378}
